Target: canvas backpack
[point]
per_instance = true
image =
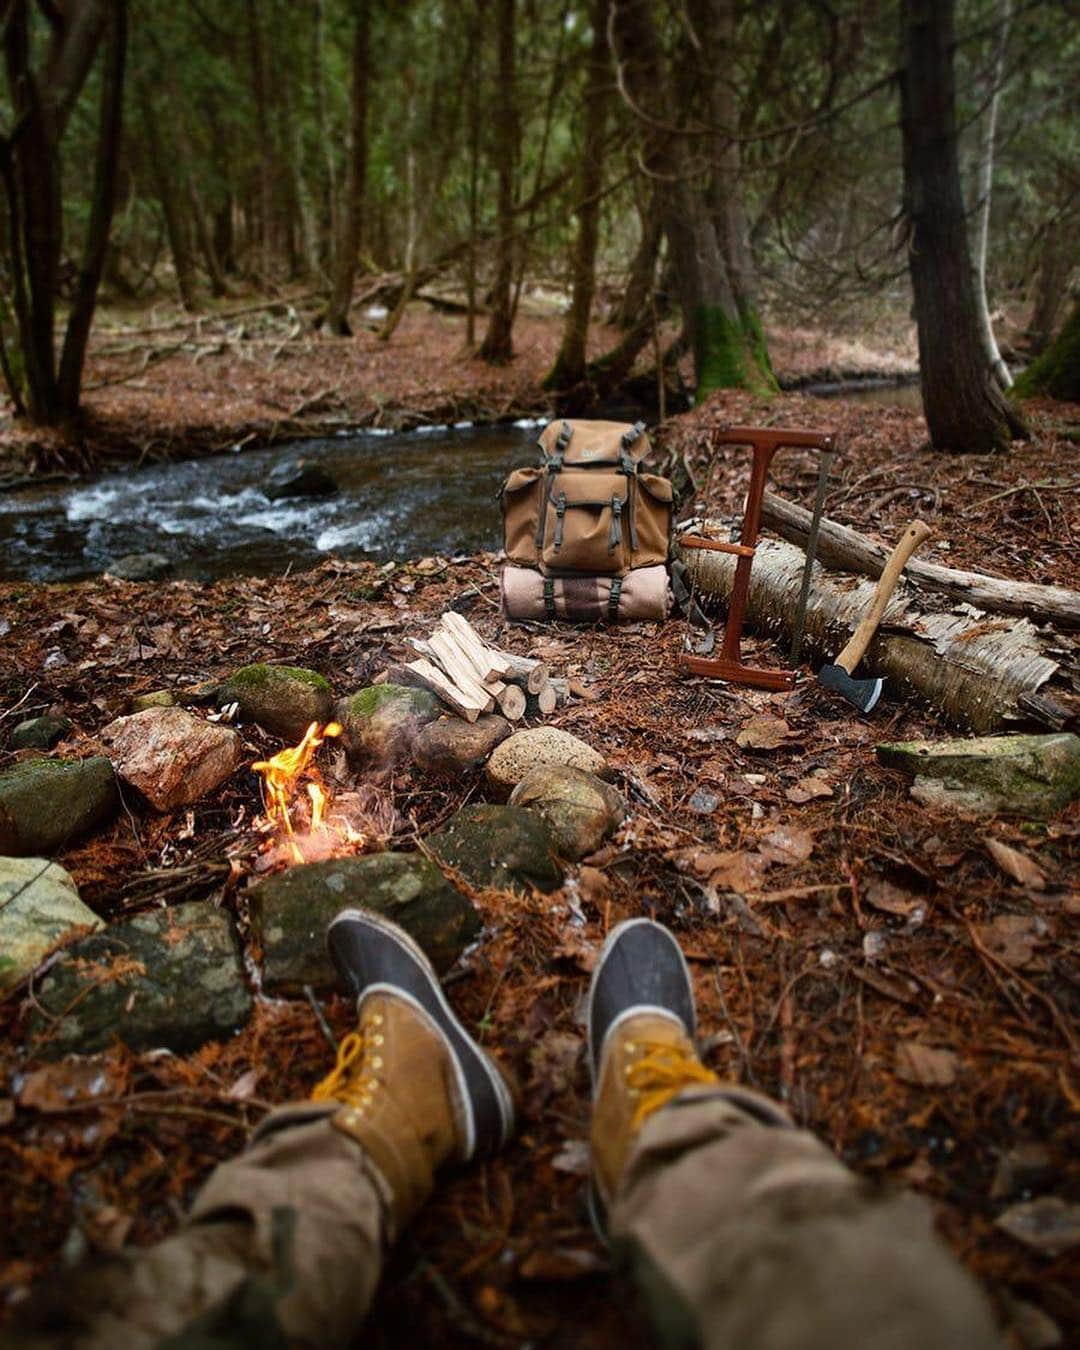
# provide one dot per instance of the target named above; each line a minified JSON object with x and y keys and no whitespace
{"x":588,"y":508}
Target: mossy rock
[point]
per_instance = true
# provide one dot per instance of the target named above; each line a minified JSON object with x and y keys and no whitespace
{"x":283,"y":700}
{"x":39,"y":908}
{"x":169,"y":978}
{"x":381,"y":722}
{"x":45,"y":804}
{"x":290,"y":913}
{"x":499,"y":847}
{"x":1031,"y":776}
{"x":157,"y":698}
{"x":40,"y":733}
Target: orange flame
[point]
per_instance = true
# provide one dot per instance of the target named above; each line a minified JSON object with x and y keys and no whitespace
{"x":296,"y":821}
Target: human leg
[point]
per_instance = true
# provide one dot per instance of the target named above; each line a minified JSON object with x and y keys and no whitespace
{"x":740,"y":1229}
{"x":285,"y":1243}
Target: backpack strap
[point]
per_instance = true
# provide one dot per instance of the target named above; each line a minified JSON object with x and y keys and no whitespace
{"x":554,"y":462}
{"x":549,"y":597}
{"x":613,"y":599}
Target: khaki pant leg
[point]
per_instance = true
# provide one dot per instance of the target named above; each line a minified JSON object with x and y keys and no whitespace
{"x":744,"y":1232}
{"x":284,"y":1246}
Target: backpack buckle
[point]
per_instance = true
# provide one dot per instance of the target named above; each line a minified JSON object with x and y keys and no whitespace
{"x":615,"y":534}
{"x":560,"y":513}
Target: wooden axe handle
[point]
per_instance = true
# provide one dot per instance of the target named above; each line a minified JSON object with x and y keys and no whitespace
{"x":916,"y":533}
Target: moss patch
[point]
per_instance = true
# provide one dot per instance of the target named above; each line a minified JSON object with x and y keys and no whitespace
{"x":259,"y":675}
{"x":725,"y":355}
{"x":1057,"y":371}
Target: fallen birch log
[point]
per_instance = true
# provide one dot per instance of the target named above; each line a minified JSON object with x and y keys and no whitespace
{"x":846,"y":549}
{"x":986,"y":675}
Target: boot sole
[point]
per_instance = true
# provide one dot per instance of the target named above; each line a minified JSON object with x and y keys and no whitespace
{"x":475,"y":1072}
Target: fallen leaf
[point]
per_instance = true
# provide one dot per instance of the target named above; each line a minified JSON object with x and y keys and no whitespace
{"x":575,"y":1157}
{"x":1013,"y":938}
{"x":890,"y":899}
{"x":59,"y":1086}
{"x":807,"y":789}
{"x":916,"y":1063}
{"x":763,"y":733}
{"x":1017,"y":865}
{"x":593,"y":884}
{"x":583,"y":691}
{"x":244,"y":1087}
{"x":739,"y":871}
{"x":553,"y":1062}
{"x":787,"y":844}
{"x":1049,"y":1224}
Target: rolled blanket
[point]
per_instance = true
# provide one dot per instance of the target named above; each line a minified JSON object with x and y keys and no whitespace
{"x":641,"y":594}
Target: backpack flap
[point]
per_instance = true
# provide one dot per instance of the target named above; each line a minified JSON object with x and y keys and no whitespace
{"x":651,"y":520}
{"x":585,"y":444}
{"x":521,"y":496}
{"x":584,"y":526}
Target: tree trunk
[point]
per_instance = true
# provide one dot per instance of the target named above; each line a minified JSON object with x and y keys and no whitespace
{"x":267,"y":156}
{"x":1057,"y":371}
{"x":1051,"y":281}
{"x":987,"y":677}
{"x":497,"y":346}
{"x":642,"y":274}
{"x":984,"y":182}
{"x":569,"y":367}
{"x":102,"y":206}
{"x":177,"y":225}
{"x":724,"y":356}
{"x":347,"y":249}
{"x":965,"y":411}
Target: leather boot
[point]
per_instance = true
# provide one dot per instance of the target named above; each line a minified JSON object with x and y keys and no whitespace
{"x":415,"y":1090}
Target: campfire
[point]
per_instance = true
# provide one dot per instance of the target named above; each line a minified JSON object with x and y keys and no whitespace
{"x":303,"y":819}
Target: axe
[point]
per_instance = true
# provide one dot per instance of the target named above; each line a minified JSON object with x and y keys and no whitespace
{"x":865,"y":693}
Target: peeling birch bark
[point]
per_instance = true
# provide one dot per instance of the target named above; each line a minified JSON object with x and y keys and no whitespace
{"x":986,"y":673}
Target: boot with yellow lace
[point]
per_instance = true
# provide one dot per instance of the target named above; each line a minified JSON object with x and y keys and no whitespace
{"x":413,"y":1087}
{"x":641,"y":1024}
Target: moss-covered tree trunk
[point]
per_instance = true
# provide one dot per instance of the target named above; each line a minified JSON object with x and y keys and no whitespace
{"x":726,"y":355}
{"x":965,"y":411}
{"x":1057,"y":371}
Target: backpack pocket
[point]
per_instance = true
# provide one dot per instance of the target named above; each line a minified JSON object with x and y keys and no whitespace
{"x":521,"y":498}
{"x":651,"y":534}
{"x":585,"y":525}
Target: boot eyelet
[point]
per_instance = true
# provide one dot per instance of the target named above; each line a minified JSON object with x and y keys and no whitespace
{"x":376,"y":1063}
{"x":377,"y":1040}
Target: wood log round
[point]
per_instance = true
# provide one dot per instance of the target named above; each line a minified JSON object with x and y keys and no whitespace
{"x":531,"y":675}
{"x":512,"y":703}
{"x":542,"y":704}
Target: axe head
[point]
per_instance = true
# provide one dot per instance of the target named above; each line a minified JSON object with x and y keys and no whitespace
{"x":863,"y":693}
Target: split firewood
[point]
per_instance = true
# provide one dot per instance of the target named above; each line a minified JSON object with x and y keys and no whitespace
{"x":488,"y":660}
{"x":459,"y":670}
{"x":422,"y":674}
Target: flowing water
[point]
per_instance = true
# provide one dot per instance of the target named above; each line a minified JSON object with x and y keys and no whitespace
{"x":403,"y":495}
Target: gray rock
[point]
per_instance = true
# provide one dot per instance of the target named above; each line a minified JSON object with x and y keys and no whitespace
{"x":45,"y":804}
{"x":157,"y":698}
{"x":172,"y":756}
{"x":284,"y":700}
{"x":454,"y":748}
{"x":300,"y":478}
{"x":170,"y":977}
{"x":499,"y":847}
{"x":538,"y":747}
{"x":290,"y":913}
{"x":140,"y":567}
{"x":381,"y":722}
{"x":581,"y":810}
{"x":990,"y":775}
{"x":40,"y":733}
{"x":39,"y":907}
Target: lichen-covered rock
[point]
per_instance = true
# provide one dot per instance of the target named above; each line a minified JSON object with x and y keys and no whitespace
{"x":290,"y":913}
{"x":157,"y":698}
{"x":988,"y":775}
{"x":499,"y":847}
{"x":381,"y":722}
{"x":45,"y":804}
{"x":40,"y":733}
{"x":453,"y":748}
{"x":300,"y":478}
{"x":172,"y":756}
{"x":539,"y":747}
{"x":170,"y":977}
{"x":284,"y":700}
{"x":140,"y":567}
{"x":39,"y":907}
{"x":581,"y":810}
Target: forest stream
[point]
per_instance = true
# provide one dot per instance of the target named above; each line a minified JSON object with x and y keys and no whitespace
{"x":402,"y":495}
